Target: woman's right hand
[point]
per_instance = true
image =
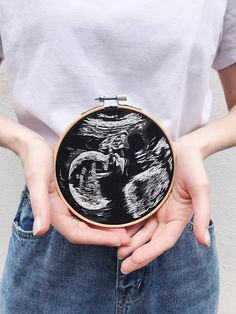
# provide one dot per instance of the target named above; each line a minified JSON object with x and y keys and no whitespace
{"x":36,"y":156}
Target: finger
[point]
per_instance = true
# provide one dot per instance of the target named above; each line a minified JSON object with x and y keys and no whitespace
{"x":131,"y":230}
{"x":121,"y":233}
{"x":141,"y":237}
{"x":39,"y":200}
{"x":149,"y":251}
{"x":81,"y":233}
{"x":201,"y":205}
{"x":128,"y":231}
{"x":59,"y":209}
{"x":124,"y":236}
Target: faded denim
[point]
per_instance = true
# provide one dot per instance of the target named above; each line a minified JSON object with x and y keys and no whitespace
{"x":48,"y":274}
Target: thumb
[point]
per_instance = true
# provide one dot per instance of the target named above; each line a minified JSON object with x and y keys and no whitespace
{"x":39,"y":200}
{"x":201,"y":205}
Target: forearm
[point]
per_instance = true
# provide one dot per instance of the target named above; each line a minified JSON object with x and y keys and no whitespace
{"x":215,"y":136}
{"x":13,"y":135}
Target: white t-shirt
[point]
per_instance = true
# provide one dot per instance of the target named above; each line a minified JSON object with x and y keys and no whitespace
{"x":59,"y":55}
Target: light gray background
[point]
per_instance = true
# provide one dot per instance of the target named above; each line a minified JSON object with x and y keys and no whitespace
{"x":221,"y":169}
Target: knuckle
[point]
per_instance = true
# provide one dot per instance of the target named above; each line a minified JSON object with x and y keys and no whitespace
{"x":137,"y":259}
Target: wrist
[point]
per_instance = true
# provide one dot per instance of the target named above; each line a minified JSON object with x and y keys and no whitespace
{"x":194,"y":142}
{"x":23,"y":139}
{"x":214,"y":136}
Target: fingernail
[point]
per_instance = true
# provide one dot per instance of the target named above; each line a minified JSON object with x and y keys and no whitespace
{"x":120,"y":258}
{"x":123,"y":272}
{"x":207,"y":237}
{"x":117,"y":244}
{"x":37,"y":225}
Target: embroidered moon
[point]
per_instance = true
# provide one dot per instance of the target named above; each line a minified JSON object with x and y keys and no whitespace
{"x":114,"y":166}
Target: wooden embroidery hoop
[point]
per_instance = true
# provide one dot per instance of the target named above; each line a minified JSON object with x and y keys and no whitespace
{"x":99,"y":109}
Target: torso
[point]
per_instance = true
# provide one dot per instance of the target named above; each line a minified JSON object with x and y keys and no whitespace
{"x":60,"y":55}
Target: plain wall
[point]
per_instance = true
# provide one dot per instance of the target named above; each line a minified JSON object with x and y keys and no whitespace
{"x":221,"y":169}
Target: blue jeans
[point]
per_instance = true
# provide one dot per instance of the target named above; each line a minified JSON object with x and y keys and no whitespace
{"x":50,"y":275}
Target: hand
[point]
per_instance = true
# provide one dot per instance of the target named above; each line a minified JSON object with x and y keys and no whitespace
{"x":190,"y":194}
{"x":37,"y":159}
{"x":74,"y":230}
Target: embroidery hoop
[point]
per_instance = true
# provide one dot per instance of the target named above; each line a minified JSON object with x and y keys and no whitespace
{"x":114,"y":165}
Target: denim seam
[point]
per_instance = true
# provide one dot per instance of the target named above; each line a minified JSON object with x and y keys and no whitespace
{"x":28,"y":234}
{"x":119,"y":293}
{"x":145,"y":279}
{"x":211,"y":228}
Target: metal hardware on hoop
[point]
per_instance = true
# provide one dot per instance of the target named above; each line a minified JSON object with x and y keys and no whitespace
{"x":118,"y":98}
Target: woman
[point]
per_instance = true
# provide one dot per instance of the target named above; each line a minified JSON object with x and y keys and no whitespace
{"x":59,"y":56}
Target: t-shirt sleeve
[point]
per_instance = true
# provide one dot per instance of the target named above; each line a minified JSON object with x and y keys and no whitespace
{"x":226,"y":52}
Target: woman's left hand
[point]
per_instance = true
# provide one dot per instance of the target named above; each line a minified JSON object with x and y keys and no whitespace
{"x":190,"y":195}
